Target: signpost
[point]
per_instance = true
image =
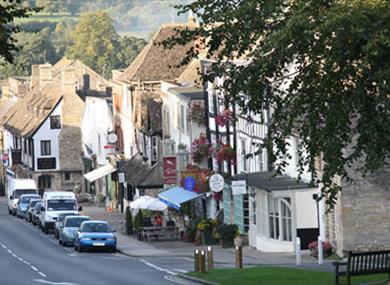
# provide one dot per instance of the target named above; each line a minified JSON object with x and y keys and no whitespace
{"x":239,"y":187}
{"x":216,"y":182}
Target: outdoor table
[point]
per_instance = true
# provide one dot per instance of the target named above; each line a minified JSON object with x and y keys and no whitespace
{"x":158,"y":231}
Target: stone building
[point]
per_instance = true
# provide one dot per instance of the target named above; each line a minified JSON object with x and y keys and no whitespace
{"x":42,"y":130}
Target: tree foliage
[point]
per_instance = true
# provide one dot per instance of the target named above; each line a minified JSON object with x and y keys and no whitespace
{"x":96,"y":43}
{"x":9,"y":10}
{"x":320,"y":65}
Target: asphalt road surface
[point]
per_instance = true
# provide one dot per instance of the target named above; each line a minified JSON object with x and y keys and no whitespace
{"x":27,"y":256}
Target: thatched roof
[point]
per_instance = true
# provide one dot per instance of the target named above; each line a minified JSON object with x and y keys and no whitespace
{"x":155,"y":63}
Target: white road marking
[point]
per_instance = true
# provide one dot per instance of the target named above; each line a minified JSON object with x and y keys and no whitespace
{"x":53,"y":283}
{"x":157,"y":267}
{"x":181,"y":270}
{"x":23,"y":261}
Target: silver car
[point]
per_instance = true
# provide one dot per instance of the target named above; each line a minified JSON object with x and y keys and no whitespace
{"x":69,"y":229}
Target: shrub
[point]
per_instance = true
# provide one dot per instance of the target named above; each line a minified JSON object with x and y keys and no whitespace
{"x":139,"y":220}
{"x":226,"y":232}
{"x":129,"y":221}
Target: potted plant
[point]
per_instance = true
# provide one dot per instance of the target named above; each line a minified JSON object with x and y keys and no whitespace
{"x":198,"y":114}
{"x":200,"y":148}
{"x":326,"y":248}
{"x":206,"y":227}
{"x":226,"y":233}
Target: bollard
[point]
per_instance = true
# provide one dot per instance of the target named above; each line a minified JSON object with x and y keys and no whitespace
{"x":202,"y":262}
{"x":298,"y":251}
{"x":320,"y":251}
{"x":238,"y":256}
{"x":210,"y":258}
{"x":196,"y":260}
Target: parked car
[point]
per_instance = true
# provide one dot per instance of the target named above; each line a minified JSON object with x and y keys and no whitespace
{"x":69,"y":229}
{"x":60,"y":222}
{"x":22,"y":204}
{"x":36,"y":213}
{"x":30,"y":209}
{"x":95,"y":234}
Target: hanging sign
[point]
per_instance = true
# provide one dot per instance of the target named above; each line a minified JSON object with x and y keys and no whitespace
{"x":169,"y":170}
{"x":216,"y":182}
{"x":189,"y":183}
{"x":239,"y":187}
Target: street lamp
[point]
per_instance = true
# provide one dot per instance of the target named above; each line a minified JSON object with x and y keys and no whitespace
{"x":317,"y":197}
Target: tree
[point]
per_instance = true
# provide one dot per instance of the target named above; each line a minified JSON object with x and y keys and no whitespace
{"x":320,"y":65}
{"x":48,"y":6}
{"x":36,"y":48}
{"x":9,"y":10}
{"x":127,"y":50}
{"x":94,"y":41}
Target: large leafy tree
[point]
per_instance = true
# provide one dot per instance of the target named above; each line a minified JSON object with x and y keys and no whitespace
{"x":9,"y":10}
{"x":95,"y":42}
{"x":322,"y":67}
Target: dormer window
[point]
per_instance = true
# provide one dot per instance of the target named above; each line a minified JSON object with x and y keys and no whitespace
{"x":55,"y":122}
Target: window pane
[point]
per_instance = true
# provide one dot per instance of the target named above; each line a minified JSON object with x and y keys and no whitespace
{"x":55,"y":122}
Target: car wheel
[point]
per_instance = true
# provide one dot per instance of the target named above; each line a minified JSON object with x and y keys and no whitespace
{"x":60,"y":242}
{"x":113,"y":250}
{"x":9,"y":211}
{"x":13,"y":214}
{"x":64,"y":244}
{"x":55,"y":235}
{"x":45,"y":230}
{"x":80,"y":248}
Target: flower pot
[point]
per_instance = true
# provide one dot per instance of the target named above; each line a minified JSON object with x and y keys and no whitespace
{"x":325,"y":252}
{"x":207,"y":237}
{"x":225,"y":243}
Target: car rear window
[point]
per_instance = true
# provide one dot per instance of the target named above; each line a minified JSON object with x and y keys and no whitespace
{"x":18,"y":193}
{"x":74,"y":222}
{"x":95,"y":228}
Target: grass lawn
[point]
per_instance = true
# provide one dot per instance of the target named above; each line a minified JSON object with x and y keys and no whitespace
{"x":279,"y":276}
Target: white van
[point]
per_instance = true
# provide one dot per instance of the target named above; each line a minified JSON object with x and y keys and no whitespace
{"x":16,"y":188}
{"x":55,"y":203}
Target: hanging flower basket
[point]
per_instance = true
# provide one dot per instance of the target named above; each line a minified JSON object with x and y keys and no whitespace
{"x":198,"y":114}
{"x":223,"y":152}
{"x":200,"y":175}
{"x":200,"y":148}
{"x":223,"y":118}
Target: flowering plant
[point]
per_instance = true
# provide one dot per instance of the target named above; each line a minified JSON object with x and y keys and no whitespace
{"x":326,"y":246}
{"x":223,"y":152}
{"x":200,"y":175}
{"x":222,"y":119}
{"x":200,"y":148}
{"x":225,"y":231}
{"x":197,"y":113}
{"x":207,"y":224}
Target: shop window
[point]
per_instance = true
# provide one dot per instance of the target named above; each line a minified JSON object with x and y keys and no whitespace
{"x":44,"y":181}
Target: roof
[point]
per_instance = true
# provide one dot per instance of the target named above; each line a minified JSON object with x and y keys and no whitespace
{"x":191,"y":73}
{"x":269,"y":181}
{"x":192,"y":93}
{"x":139,"y":173}
{"x":5,"y":106}
{"x":154,"y":62}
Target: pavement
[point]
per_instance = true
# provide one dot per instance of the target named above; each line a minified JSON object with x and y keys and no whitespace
{"x":223,"y":257}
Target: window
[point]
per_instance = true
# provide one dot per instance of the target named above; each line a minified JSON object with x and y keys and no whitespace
{"x":55,"y":122}
{"x":280,"y":219}
{"x":45,"y":148}
{"x":44,"y":181}
{"x":154,"y":150}
{"x":243,"y":156}
{"x":67,"y":176}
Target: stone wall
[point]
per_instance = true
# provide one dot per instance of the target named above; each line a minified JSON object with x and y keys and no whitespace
{"x":362,"y":215}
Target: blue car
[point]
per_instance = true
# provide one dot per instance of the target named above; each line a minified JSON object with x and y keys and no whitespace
{"x":95,"y":235}
{"x":22,"y":205}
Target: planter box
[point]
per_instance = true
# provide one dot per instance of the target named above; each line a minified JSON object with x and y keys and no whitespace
{"x":225,"y":243}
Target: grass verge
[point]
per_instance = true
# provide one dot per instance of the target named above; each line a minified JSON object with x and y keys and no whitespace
{"x":279,"y":276}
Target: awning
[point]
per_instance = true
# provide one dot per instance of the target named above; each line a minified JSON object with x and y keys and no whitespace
{"x":176,"y":196}
{"x":100,"y":172}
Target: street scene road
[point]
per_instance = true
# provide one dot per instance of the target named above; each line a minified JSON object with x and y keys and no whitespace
{"x":29,"y":257}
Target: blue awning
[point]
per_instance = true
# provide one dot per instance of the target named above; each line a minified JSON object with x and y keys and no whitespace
{"x":176,"y":196}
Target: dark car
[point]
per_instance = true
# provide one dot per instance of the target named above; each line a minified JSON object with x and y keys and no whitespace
{"x":69,"y":229}
{"x":60,"y":222}
{"x":36,"y":213}
{"x":30,"y":209}
{"x":95,"y":235}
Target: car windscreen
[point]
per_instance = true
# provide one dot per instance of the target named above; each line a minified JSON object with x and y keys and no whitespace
{"x":63,"y":216}
{"x":61,"y":205}
{"x":33,"y":203}
{"x":19,"y":192}
{"x":26,"y":199}
{"x":95,"y":228}
{"x":74,"y":222}
{"x":38,"y":205}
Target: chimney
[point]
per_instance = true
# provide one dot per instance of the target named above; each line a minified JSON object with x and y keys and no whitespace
{"x":34,"y":75}
{"x":44,"y":74}
{"x":86,"y":82}
{"x":68,"y":80}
